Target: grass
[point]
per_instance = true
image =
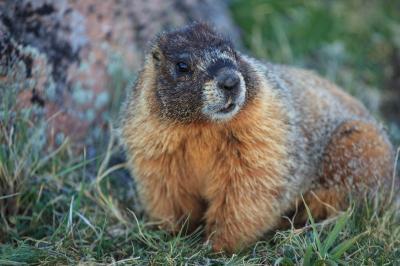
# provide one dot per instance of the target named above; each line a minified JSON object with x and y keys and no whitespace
{"x":64,"y":209}
{"x":67,"y":208}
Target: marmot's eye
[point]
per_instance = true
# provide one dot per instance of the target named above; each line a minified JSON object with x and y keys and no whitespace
{"x":182,"y":67}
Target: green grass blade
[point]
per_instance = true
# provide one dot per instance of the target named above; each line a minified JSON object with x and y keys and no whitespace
{"x":339,"y":250}
{"x":307,"y":256}
{"x":314,"y":228}
{"x":333,"y":235}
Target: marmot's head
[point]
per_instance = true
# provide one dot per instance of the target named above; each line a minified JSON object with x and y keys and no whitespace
{"x":199,"y":75}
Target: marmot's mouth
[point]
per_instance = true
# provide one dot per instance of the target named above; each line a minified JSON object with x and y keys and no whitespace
{"x":227,"y":108}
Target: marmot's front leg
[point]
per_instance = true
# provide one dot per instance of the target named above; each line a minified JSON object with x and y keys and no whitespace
{"x":243,"y":209}
{"x":161,"y":190}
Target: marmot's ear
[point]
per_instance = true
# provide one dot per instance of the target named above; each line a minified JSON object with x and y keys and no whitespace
{"x":156,"y":55}
{"x":156,"y":51}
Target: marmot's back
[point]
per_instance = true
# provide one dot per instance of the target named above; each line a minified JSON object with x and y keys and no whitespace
{"x":326,"y":116}
{"x":314,"y":97}
{"x":318,"y":105}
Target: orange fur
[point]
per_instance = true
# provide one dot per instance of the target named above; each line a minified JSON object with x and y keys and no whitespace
{"x":182,"y":166}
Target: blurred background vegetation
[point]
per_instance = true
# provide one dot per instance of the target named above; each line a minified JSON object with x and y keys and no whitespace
{"x":353,"y":43}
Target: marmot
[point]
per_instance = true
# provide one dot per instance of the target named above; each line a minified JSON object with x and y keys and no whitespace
{"x":215,"y":137}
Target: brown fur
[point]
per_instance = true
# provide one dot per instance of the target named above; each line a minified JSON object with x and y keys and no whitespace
{"x":235,"y":176}
{"x":353,"y":140}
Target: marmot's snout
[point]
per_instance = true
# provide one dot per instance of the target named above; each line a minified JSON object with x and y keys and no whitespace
{"x":224,"y":95}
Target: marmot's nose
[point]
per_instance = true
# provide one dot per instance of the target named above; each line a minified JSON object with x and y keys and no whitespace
{"x":228,"y":80}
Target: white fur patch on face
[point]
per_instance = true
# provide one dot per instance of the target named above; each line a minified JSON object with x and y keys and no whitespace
{"x":211,"y":57}
{"x":215,"y":102}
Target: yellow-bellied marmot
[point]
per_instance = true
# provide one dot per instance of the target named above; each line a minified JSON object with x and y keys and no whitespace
{"x":218,"y":137}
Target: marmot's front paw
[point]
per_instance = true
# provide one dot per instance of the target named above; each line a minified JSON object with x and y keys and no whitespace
{"x":222,"y":242}
{"x":221,"y":245}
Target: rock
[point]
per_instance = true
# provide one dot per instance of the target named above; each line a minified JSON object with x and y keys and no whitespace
{"x":73,"y":59}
